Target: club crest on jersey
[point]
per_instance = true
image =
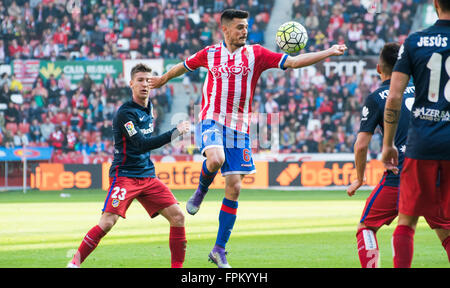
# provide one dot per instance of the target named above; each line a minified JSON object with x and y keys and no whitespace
{"x":129,"y":126}
{"x":224,"y":70}
{"x":115,"y":203}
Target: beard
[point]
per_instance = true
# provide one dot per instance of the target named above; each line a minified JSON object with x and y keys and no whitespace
{"x":240,"y":42}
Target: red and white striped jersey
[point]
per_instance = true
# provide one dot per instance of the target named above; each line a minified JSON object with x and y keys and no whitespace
{"x":231,"y":81}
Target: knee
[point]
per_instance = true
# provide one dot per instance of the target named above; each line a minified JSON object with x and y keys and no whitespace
{"x":177,"y":219}
{"x":407,"y":220}
{"x":215,"y":162}
{"x":107,"y":222}
{"x":234,"y":189}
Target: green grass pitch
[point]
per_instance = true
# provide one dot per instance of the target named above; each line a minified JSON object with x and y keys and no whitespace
{"x":274,"y":229}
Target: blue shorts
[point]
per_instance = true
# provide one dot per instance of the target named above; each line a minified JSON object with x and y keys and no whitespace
{"x":236,"y":146}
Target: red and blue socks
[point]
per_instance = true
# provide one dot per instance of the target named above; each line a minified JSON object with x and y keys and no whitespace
{"x":206,"y":178}
{"x":177,"y":244}
{"x":368,"y":250}
{"x":89,"y":243}
{"x":403,"y":246}
{"x":227,"y":217}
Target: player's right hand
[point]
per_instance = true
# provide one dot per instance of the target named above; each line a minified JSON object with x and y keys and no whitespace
{"x":184,"y":127}
{"x":338,"y":50}
{"x":156,"y":82}
{"x":351,"y":190}
{"x":389,"y":157}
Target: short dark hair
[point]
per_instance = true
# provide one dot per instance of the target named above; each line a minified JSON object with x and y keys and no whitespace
{"x":445,"y":5}
{"x":388,"y":57}
{"x":140,"y":68}
{"x":230,"y":14}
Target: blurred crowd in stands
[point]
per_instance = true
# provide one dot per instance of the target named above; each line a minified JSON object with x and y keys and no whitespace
{"x":317,"y":113}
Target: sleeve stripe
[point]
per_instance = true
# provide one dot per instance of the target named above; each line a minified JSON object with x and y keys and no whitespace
{"x":185,"y":65}
{"x":283,"y":59}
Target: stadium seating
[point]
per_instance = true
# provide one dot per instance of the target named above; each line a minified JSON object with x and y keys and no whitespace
{"x":130,"y":33}
{"x":134,"y":44}
{"x":12,"y":127}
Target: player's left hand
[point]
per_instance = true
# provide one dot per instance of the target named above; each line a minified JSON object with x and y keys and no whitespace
{"x":156,"y":82}
{"x":389,"y":157}
{"x":184,"y":127}
{"x":338,"y":50}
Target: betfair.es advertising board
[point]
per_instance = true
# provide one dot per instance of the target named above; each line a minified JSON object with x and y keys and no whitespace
{"x":185,"y":175}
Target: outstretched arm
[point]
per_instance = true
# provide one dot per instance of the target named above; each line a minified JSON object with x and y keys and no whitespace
{"x":175,"y":71}
{"x":307,"y":59}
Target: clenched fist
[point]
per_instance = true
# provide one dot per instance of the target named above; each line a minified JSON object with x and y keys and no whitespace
{"x":184,"y":127}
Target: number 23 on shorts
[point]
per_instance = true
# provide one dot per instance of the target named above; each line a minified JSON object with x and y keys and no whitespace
{"x":119,"y":193}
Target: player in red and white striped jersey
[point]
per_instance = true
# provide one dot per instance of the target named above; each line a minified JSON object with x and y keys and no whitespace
{"x":233,"y":71}
{"x":231,"y":81}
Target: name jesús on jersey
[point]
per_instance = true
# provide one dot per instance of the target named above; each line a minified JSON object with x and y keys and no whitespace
{"x":425,"y":56}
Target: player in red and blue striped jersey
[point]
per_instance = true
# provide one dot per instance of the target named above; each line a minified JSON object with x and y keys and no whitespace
{"x":233,"y":71}
{"x":132,"y":173}
{"x":424,"y":56}
{"x":381,"y":206}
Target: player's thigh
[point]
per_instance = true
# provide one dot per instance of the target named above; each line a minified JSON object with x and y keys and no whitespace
{"x":381,"y":206}
{"x":418,"y":193}
{"x":209,"y":135}
{"x":238,"y":157}
{"x":122,"y":191}
{"x":155,"y":197}
{"x":444,"y":187}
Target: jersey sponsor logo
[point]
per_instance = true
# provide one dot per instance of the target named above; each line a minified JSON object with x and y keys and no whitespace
{"x":129,"y":126}
{"x":141,"y":118}
{"x":432,"y":41}
{"x":224,"y":70}
{"x":212,"y":50}
{"x":148,"y":130}
{"x":430,"y":114}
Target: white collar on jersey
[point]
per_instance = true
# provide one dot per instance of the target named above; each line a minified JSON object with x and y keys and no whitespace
{"x":235,"y":51}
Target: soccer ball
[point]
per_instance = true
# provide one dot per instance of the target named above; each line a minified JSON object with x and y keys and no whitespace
{"x":291,"y":37}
